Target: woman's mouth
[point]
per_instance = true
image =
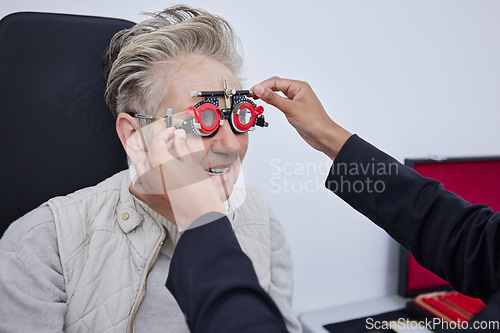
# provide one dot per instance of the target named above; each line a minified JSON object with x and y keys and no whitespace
{"x":216,"y":171}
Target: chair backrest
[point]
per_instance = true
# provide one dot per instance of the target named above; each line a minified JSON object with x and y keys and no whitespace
{"x":57,"y":133}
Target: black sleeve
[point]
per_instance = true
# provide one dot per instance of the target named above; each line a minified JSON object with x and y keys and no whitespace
{"x":215,"y":284}
{"x":451,"y":237}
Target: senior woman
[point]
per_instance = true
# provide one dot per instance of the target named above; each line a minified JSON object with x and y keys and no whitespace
{"x":102,"y":254}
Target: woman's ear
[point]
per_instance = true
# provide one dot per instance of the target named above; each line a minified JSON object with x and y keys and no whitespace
{"x":130,"y":134}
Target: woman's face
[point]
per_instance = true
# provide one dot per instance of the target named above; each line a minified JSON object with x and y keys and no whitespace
{"x":220,"y":155}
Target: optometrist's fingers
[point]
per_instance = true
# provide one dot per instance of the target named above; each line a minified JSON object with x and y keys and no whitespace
{"x":266,"y":92}
{"x":304,"y":112}
{"x":290,"y":88}
{"x":301,"y":106}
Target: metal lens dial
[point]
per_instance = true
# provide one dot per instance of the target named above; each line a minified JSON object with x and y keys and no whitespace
{"x":243,"y":116}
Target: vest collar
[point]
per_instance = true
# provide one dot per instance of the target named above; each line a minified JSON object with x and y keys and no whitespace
{"x":132,"y":212}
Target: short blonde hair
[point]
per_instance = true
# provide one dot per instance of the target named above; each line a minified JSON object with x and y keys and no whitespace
{"x":169,"y":36}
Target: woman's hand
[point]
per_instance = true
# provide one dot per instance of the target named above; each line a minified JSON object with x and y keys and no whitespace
{"x":171,"y":182}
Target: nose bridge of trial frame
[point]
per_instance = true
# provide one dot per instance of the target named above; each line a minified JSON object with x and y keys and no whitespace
{"x":227,"y":93}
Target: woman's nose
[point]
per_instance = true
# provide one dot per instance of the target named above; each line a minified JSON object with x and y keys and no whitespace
{"x":226,"y":141}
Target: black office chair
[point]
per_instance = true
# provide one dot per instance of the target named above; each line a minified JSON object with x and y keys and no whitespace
{"x":57,"y":134}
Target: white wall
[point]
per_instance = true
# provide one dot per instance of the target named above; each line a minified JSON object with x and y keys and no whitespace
{"x":413,"y":77}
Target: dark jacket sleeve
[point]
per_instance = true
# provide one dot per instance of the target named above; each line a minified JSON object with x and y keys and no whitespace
{"x":216,"y":286}
{"x":456,"y":240}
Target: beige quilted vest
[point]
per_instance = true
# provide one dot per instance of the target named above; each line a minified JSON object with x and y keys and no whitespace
{"x":107,"y":248}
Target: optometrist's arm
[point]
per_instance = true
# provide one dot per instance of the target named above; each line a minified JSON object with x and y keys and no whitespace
{"x":446,"y":234}
{"x":305,"y":113}
{"x":215,"y":284}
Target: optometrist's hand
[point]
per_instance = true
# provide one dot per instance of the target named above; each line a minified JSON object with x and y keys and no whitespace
{"x":304,"y":112}
{"x":171,"y":181}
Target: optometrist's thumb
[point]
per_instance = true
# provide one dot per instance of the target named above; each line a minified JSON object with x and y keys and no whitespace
{"x":270,"y":97}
